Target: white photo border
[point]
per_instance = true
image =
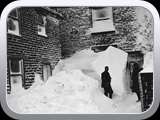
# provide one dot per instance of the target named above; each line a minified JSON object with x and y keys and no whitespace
{"x":61,"y":3}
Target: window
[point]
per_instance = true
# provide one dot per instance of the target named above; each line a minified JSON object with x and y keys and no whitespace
{"x":102,"y":20}
{"x":42,"y":23}
{"x":16,"y":75}
{"x":13,"y":22}
{"x":101,"y":14}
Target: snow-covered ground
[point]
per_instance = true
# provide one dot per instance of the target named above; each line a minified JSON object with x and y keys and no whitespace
{"x":72,"y":92}
{"x":74,"y":88}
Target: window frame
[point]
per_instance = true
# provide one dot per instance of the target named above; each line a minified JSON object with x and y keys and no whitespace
{"x":94,"y":18}
{"x":42,"y":25}
{"x":99,"y":23}
{"x":10,"y":74}
{"x":17,"y":19}
{"x":20,"y":68}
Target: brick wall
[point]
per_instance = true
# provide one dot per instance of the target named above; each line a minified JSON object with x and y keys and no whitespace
{"x":34,"y":49}
{"x":130,"y":28}
{"x":69,"y":35}
{"x":146,"y":86}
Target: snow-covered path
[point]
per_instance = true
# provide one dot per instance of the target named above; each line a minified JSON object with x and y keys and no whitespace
{"x":124,"y":104}
{"x":118,"y":104}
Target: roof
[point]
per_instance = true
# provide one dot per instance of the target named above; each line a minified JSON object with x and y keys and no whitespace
{"x":53,"y":11}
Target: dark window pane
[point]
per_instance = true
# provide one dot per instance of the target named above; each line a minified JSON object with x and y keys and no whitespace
{"x":101,"y":14}
{"x":15,"y":66}
{"x":13,"y":13}
{"x":40,"y":19}
{"x":11,"y":25}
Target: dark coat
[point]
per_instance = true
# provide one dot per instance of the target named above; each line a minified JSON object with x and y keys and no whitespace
{"x":106,"y":82}
{"x":135,"y":78}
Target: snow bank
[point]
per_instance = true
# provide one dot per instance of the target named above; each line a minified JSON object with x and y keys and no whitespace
{"x":82,"y":59}
{"x":148,"y":60}
{"x":16,"y":83}
{"x":20,"y":92}
{"x":116,"y":59}
{"x":58,"y":67}
{"x":127,"y":104}
{"x":104,"y":104}
{"x":69,"y":91}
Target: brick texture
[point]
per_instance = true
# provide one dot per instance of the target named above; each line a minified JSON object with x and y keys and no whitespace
{"x":34,"y":49}
{"x":146,"y":86}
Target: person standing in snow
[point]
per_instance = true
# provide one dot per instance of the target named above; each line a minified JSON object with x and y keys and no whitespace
{"x":135,"y":78}
{"x":106,"y":83}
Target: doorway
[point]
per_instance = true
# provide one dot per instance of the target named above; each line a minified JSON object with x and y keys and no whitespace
{"x":46,"y":72}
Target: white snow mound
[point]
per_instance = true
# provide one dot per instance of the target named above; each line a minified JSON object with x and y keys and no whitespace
{"x":68,"y":91}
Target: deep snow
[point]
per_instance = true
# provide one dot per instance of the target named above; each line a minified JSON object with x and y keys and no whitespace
{"x":74,"y":87}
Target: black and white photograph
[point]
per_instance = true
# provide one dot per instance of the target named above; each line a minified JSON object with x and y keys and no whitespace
{"x":80,"y":60}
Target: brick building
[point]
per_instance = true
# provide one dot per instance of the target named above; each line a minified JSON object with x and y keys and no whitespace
{"x":33,"y":44}
{"x":38,"y":37}
{"x":146,"y":87}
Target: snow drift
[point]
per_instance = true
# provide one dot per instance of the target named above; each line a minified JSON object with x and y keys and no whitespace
{"x":94,"y":63}
{"x":74,"y":87}
{"x":69,"y":91}
{"x":116,"y":60}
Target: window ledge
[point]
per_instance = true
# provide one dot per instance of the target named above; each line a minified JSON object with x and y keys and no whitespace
{"x":14,"y":34}
{"x":45,"y":36}
{"x":96,"y":31}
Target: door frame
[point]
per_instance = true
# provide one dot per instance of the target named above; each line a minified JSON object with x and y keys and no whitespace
{"x":42,"y":69}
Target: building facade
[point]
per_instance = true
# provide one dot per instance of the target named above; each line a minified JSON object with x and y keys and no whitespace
{"x":129,"y":28}
{"x":38,"y":37}
{"x":33,"y":45}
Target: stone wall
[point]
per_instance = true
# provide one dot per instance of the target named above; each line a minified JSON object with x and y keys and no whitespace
{"x":134,"y":30}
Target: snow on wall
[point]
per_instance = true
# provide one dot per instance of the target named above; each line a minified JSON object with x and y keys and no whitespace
{"x":116,"y":60}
